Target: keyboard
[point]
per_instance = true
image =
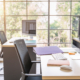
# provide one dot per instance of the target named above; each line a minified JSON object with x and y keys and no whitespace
{"x":59,"y":56}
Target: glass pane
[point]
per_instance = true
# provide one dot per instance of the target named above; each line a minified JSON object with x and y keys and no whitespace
{"x":15,"y":0}
{"x":75,"y":23}
{"x":61,"y":45}
{"x":1,"y":23}
{"x":74,"y":34}
{"x":59,"y":22}
{"x":63,"y":0}
{"x":15,"y":8}
{"x":28,"y":0}
{"x":42,"y":45}
{"x":38,"y":0}
{"x":59,"y":36}
{"x":37,"y":8}
{"x":41,"y":21}
{"x":42,"y":36}
{"x":1,"y":8}
{"x":14,"y":22}
{"x":75,"y":8}
{"x":59,"y":8}
{"x":13,"y":33}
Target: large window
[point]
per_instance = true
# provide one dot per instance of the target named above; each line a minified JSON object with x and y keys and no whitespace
{"x":57,"y":20}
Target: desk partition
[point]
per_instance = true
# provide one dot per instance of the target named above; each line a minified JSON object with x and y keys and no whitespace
{"x":12,"y":69}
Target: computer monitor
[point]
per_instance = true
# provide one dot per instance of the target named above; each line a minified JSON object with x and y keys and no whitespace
{"x":29,"y":27}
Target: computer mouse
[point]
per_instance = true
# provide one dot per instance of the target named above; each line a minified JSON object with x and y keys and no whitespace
{"x":65,"y":67}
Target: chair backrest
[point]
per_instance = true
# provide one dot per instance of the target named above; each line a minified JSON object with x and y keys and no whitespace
{"x":3,"y":38}
{"x":23,"y":55}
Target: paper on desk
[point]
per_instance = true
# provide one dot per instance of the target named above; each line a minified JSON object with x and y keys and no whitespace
{"x":66,"y":50}
{"x":75,"y":57}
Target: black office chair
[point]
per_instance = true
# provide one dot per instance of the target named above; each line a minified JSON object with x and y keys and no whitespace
{"x":25,"y":61}
{"x":3,"y":39}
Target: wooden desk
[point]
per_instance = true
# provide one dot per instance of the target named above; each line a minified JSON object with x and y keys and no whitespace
{"x":10,"y":43}
{"x":12,"y":69}
{"x":54,"y":72}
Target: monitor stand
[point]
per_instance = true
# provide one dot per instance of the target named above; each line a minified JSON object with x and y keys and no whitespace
{"x":31,"y":37}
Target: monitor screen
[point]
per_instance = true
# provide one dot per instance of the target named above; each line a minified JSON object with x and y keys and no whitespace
{"x":29,"y":27}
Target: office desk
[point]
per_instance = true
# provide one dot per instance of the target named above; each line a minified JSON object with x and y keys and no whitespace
{"x":12,"y":70}
{"x":54,"y":72}
{"x":76,"y":42}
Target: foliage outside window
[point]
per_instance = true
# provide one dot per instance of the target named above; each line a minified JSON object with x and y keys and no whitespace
{"x":56,"y":24}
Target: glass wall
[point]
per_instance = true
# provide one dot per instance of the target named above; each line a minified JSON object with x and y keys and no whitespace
{"x":57,"y":21}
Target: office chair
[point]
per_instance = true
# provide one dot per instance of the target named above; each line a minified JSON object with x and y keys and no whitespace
{"x":25,"y":61}
{"x":3,"y":39}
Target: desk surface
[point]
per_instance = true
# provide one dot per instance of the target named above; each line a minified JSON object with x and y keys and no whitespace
{"x":54,"y":72}
{"x":10,"y":43}
{"x":76,"y":39}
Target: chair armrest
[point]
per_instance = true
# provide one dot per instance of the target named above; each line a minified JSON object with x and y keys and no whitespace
{"x":36,"y":61}
{"x":33,"y":74}
{"x":24,"y":75}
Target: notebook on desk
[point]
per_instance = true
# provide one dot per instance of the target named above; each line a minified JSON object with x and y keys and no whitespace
{"x":57,"y":62}
{"x":26,"y":41}
{"x":47,"y":50}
